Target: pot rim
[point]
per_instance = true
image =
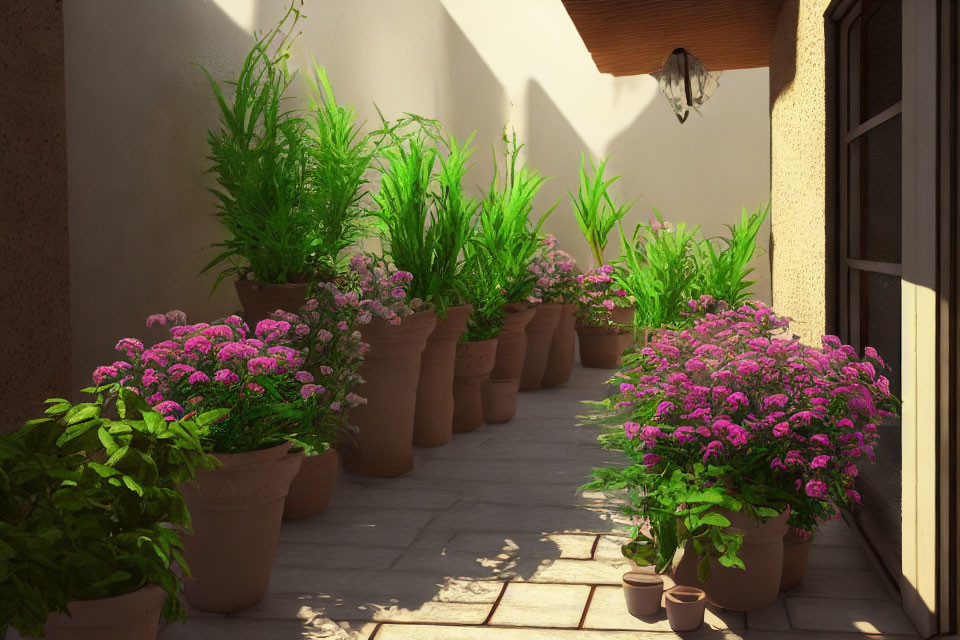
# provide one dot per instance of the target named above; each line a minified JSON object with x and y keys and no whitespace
{"x":642,"y":580}
{"x":683,"y":590}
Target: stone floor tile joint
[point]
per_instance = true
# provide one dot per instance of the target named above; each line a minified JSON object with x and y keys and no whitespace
{"x":496,"y":603}
{"x":586,"y":607}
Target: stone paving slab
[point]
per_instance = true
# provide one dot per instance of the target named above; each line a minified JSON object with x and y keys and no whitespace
{"x":859,"y":616}
{"x":541,"y":605}
{"x":418,"y":632}
{"x":609,"y":611}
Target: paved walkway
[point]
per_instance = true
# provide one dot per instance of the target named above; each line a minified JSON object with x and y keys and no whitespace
{"x":487,"y":539}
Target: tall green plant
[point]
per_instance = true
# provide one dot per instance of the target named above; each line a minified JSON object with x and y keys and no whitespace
{"x":480,"y":286}
{"x":722,"y":264}
{"x":594,"y":209}
{"x":260,"y":156}
{"x":336,"y":181}
{"x":659,"y":268}
{"x":505,"y":229}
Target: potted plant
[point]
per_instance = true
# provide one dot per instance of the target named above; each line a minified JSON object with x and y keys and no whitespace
{"x":257,"y":378}
{"x":426,"y":220}
{"x":604,"y":312}
{"x":261,"y":155}
{"x":550,"y":334}
{"x":397,"y":331}
{"x":332,"y":356}
{"x":737,"y":430}
{"x":90,"y":518}
{"x":505,"y":232}
{"x":477,"y":350}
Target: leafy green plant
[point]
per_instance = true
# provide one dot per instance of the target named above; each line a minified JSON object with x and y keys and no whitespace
{"x":480,"y":286}
{"x":594,"y":209}
{"x":336,"y":180}
{"x":505,"y":230}
{"x":89,"y":506}
{"x":658,"y":268}
{"x":722,"y":271}
{"x":261,"y":155}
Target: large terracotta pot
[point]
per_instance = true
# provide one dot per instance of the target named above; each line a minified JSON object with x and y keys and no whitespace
{"x":391,"y":370}
{"x":236,"y":512}
{"x":559,"y":365}
{"x":433,"y":419}
{"x":795,"y":553}
{"x":473,"y":364}
{"x":259,"y":301}
{"x":512,"y":341}
{"x":750,"y":589}
{"x":499,"y":400}
{"x":539,"y":334}
{"x":312,"y":487}
{"x":132,"y":616}
{"x":601,"y":347}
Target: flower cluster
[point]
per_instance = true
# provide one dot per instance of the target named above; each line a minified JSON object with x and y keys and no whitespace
{"x":257,"y":376}
{"x":556,"y":273}
{"x":324,"y":332}
{"x":599,"y":295}
{"x":380,"y":289}
{"x":737,"y":392}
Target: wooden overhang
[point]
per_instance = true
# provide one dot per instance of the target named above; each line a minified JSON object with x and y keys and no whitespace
{"x":631,"y":37}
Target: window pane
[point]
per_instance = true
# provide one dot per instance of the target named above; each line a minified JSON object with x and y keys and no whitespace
{"x":875,"y":230}
{"x":853,"y":75}
{"x":880,"y":62}
{"x":880,"y":320}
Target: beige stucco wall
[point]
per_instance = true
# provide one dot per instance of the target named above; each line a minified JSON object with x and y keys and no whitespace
{"x":797,"y":148}
{"x":138,"y":110}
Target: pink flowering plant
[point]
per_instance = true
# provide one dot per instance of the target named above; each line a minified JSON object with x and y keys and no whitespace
{"x":599,"y":295}
{"x":734,"y":412}
{"x":257,"y":376}
{"x":381,"y":290}
{"x":323,"y":332}
{"x":556,"y":273}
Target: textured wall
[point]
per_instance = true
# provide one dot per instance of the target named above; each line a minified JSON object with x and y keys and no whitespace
{"x":138,"y":110}
{"x":34,"y":250}
{"x":797,"y":149}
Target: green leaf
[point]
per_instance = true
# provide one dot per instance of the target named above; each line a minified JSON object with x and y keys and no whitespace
{"x":714,"y":519}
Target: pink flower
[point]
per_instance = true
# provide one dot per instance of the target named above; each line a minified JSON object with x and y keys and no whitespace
{"x":852,"y":495}
{"x":150,"y":377}
{"x":197,"y":377}
{"x":819,"y":462}
{"x":335,"y":406}
{"x":816,"y":489}
{"x":179,"y":370}
{"x":256,"y":388}
{"x":820,"y":439}
{"x":217,"y":331}
{"x":226,"y":376}
{"x":308,"y":391}
{"x":157,"y":318}
{"x":261,"y":365}
{"x":353,"y":398}
{"x":398,"y":292}
{"x":324,"y":336}
{"x":234,"y":320}
{"x":303,"y":376}
{"x":167,"y":407}
{"x":781,"y":429}
{"x":631,"y":430}
{"x":650,"y":460}
{"x":102,"y":373}
{"x":129,"y":346}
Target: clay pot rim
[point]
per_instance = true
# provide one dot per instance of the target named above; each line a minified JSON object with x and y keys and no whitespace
{"x":258,"y":456}
{"x":642,"y":580}
{"x":88,"y":613}
{"x":681,"y":590}
{"x":519,"y":307}
{"x":253,"y":285}
{"x":454,"y":325}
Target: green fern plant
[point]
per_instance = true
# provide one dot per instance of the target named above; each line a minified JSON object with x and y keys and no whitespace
{"x":594,"y":209}
{"x":260,"y":155}
{"x":723,"y":263}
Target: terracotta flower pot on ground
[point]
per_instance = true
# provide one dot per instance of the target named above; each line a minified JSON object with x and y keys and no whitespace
{"x":391,"y":370}
{"x":539,"y":332}
{"x":312,"y":487}
{"x":795,"y":553}
{"x":685,"y":607}
{"x":474,"y":361}
{"x":433,"y":419}
{"x":762,"y":554}
{"x":642,"y":592}
{"x":132,"y":616}
{"x":499,"y":400}
{"x":559,"y":365}
{"x":601,"y":347}
{"x":236,"y":512}
{"x":259,"y":301}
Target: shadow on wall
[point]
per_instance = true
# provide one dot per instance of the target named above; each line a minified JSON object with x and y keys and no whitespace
{"x":141,"y":218}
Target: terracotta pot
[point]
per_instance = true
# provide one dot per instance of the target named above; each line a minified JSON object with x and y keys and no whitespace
{"x":559,"y":365}
{"x":236,"y":512}
{"x":473,"y":364}
{"x":312,"y":487}
{"x":512,"y":341}
{"x":539,"y":333}
{"x":132,"y":616}
{"x":260,"y":301}
{"x":499,"y":400}
{"x":685,"y":607}
{"x":795,"y":553}
{"x":391,"y":369}
{"x":433,"y":419}
{"x":643,"y":592}
{"x":601,"y":347}
{"x":750,"y":589}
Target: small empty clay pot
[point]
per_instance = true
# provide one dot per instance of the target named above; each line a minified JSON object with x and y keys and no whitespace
{"x":685,"y":608}
{"x":643,"y":592}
